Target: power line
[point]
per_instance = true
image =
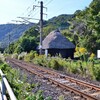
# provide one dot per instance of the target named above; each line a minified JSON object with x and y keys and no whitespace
{"x":36,"y":10}
{"x":48,"y":2}
{"x":28,"y":8}
{"x":34,"y":13}
{"x":29,"y":14}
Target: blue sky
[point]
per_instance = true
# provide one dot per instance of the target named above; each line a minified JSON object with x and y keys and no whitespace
{"x":11,"y":9}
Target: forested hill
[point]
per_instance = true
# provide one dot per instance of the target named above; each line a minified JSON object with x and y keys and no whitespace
{"x":86,"y":27}
{"x":82,"y":28}
{"x":12,"y":32}
{"x":61,"y":20}
{"x":30,"y":39}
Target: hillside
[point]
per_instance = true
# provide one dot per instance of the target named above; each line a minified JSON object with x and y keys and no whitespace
{"x":82,"y":28}
{"x":60,"y":21}
{"x":30,"y":39}
{"x":11,"y":32}
{"x":86,"y":27}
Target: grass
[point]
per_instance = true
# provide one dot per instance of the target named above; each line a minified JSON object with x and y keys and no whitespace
{"x":22,"y":89}
{"x":85,"y":68}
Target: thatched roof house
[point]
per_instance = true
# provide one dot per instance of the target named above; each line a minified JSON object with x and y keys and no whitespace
{"x":56,"y":43}
{"x":56,"y":40}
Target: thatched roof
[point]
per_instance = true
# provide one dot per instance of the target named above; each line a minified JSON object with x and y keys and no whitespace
{"x":55,"y":40}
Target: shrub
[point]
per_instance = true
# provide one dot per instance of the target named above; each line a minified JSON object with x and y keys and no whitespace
{"x":2,"y":58}
{"x":4,"y":67}
{"x":40,"y":60}
{"x":61,"y":97}
{"x":37,"y":96}
{"x":51,"y":62}
{"x":21,"y":56}
{"x":30,"y":56}
{"x":82,"y":67}
{"x":54,"y":64}
{"x":97,"y":73}
{"x":15,"y":55}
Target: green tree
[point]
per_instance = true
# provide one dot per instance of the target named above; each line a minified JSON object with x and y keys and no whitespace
{"x":86,"y":27}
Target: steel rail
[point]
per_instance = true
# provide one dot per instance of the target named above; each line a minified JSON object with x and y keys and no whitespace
{"x":92,"y":86}
{"x":19,"y":63}
{"x":82,"y":94}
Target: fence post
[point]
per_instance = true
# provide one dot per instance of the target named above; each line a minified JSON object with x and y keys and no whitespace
{"x":3,"y":87}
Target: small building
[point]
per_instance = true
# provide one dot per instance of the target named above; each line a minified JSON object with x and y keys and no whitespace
{"x":55,"y":43}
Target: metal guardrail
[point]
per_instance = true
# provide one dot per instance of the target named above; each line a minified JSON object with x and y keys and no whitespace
{"x":6,"y":87}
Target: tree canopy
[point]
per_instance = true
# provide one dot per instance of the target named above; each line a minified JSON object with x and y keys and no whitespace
{"x":86,"y":27}
{"x":26,"y":43}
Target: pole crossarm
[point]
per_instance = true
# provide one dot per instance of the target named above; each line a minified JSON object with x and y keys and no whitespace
{"x":27,"y":18}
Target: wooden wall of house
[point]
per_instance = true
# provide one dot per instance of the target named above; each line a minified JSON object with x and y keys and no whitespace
{"x":65,"y":53}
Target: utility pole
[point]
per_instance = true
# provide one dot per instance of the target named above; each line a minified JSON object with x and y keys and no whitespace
{"x":40,"y":21}
{"x":41,"y":26}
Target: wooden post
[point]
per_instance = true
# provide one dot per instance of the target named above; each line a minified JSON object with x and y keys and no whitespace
{"x":46,"y":52}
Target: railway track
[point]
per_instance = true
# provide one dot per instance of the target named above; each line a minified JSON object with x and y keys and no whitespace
{"x":83,"y":90}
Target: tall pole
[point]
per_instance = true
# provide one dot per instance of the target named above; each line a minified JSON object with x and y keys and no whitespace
{"x":41,"y":25}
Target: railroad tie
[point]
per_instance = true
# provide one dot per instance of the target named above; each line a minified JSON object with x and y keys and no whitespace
{"x":96,"y":93}
{"x":71,"y":84}
{"x":64,"y":81}
{"x":86,"y":90}
{"x":77,"y":98}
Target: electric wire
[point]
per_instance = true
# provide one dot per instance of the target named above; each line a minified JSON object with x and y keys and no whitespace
{"x":48,"y":2}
